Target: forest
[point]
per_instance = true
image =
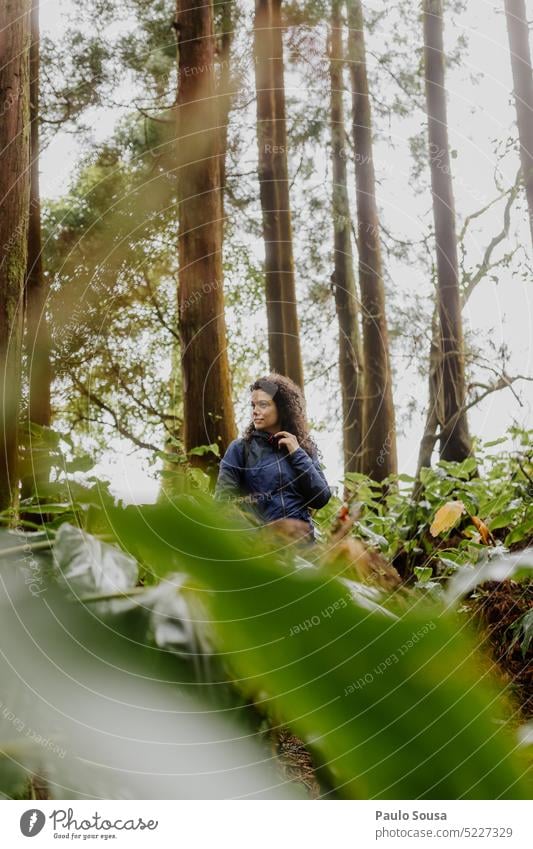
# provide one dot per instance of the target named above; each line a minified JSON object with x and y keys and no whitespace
{"x":213,"y":212}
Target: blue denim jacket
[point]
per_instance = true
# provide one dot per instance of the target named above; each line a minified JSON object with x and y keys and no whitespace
{"x":276,"y":484}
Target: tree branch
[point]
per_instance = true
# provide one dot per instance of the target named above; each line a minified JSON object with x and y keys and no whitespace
{"x":485,"y":264}
{"x":91,"y":396}
{"x":157,"y":308}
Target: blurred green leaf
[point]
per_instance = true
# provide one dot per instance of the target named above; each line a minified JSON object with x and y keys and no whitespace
{"x":95,"y":712}
{"x":522,"y":531}
{"x":423,"y":573}
{"x":388,"y":707}
{"x":89,"y":565}
{"x":502,"y":520}
{"x":206,"y":449}
{"x":32,"y":507}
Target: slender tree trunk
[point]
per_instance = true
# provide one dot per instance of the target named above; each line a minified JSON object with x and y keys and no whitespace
{"x":14,"y":200}
{"x":37,"y":335}
{"x":454,"y":438}
{"x":172,"y":484}
{"x":207,"y":404}
{"x":518,"y":31}
{"x":379,"y":446}
{"x":281,"y":175}
{"x":434,"y":413}
{"x":266,"y":141}
{"x":343,"y":278}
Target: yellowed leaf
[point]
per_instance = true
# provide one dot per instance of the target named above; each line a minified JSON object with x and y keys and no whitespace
{"x":446,"y":517}
{"x":486,"y":535}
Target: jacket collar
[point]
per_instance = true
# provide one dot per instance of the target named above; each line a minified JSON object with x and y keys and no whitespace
{"x":261,"y":434}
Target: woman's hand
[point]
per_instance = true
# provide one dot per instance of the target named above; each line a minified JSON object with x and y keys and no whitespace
{"x":288,"y":440}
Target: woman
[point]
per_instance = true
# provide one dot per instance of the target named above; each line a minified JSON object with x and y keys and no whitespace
{"x":274,"y":467}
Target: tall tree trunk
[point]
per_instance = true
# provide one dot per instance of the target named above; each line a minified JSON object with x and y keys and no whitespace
{"x":14,"y":200}
{"x":434,"y":413}
{"x":37,"y":334}
{"x":454,"y":438}
{"x":224,"y":95}
{"x":281,"y":176}
{"x":343,"y":278}
{"x":518,"y":31}
{"x":207,"y":404}
{"x":266,"y":141}
{"x":379,"y":432}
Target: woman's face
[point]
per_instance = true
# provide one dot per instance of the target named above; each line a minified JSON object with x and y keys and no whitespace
{"x":264,"y":411}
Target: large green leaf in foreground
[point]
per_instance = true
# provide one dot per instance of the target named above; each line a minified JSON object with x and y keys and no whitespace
{"x":95,"y":712}
{"x":391,"y":708}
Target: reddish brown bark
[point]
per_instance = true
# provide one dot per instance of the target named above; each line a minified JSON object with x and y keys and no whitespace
{"x":207,"y":403}
{"x":379,"y":457}
{"x":343,"y":279}
{"x":518,"y":31}
{"x":266,"y":140}
{"x":224,"y":95}
{"x":14,"y":200}
{"x":37,"y":334}
{"x":294,"y":368}
{"x":454,"y":438}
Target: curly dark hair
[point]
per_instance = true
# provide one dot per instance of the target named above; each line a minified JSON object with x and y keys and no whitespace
{"x":290,"y":402}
